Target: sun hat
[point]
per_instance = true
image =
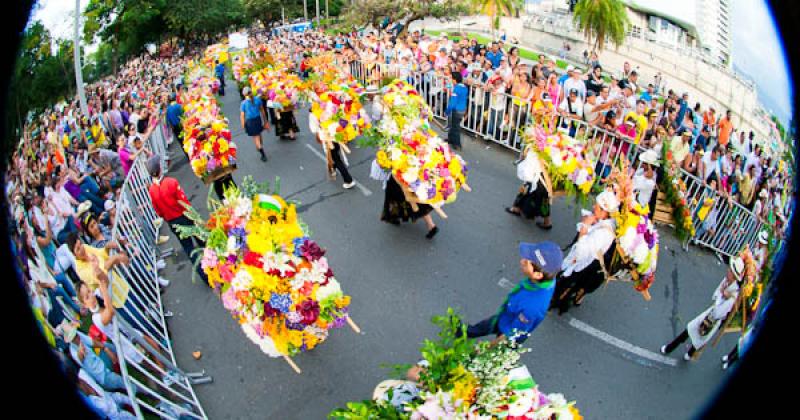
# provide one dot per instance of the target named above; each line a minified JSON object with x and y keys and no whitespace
{"x":649,"y":157}
{"x":108,"y":205}
{"x":608,"y":201}
{"x":570,"y":68}
{"x":84,"y":207}
{"x":763,"y":237}
{"x":546,"y":255}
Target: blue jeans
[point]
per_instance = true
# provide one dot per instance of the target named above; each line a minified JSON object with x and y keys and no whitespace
{"x":91,"y":191}
{"x":68,"y":228}
{"x":56,"y":315}
{"x":66,"y":283}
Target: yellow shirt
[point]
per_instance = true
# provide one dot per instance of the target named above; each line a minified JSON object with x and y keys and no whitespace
{"x":119,"y":287}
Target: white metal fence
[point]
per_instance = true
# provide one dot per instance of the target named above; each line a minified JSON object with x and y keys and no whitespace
{"x":501,"y":118}
{"x":153,"y":380}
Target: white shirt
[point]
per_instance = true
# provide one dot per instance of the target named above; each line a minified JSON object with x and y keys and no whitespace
{"x":644,"y":186}
{"x":593,"y":245}
{"x":709,"y":166}
{"x":578,"y":85}
{"x":577,"y":106}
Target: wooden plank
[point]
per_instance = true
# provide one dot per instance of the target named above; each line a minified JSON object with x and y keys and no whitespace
{"x":218,"y":173}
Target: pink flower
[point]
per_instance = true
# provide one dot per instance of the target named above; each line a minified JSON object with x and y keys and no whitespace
{"x":229,"y":300}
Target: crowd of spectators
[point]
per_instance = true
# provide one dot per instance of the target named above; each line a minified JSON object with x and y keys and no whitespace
{"x":62,"y":186}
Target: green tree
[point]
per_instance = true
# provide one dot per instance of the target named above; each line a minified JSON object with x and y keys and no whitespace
{"x":374,"y":12}
{"x":600,"y":20}
{"x":270,"y":10}
{"x":189,"y":18}
{"x":496,"y":8}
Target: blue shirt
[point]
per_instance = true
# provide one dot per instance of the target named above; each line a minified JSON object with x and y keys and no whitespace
{"x":251,"y":108}
{"x":563,"y":78}
{"x":458,"y":100}
{"x":495,"y":58}
{"x":174,"y":113}
{"x":526,"y":308}
{"x":645,"y":96}
{"x":220,"y":70}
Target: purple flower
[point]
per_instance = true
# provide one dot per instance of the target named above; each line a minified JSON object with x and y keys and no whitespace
{"x":342,"y":122}
{"x":298,"y":243}
{"x":431,"y":192}
{"x":232,"y":258}
{"x":238,"y":232}
{"x":641,"y":228}
{"x":295,"y":325}
{"x":311,"y":251}
{"x":269,"y":311}
{"x":281,"y":302}
{"x":414,"y":185}
{"x":650,"y":238}
{"x":339,"y":322}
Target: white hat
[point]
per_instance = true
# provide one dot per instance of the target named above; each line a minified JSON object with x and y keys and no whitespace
{"x":608,"y":201}
{"x":649,"y":157}
{"x":737,"y":267}
{"x":763,"y":194}
{"x":570,"y":68}
{"x":108,"y":205}
{"x":763,"y":237}
{"x":84,"y":207}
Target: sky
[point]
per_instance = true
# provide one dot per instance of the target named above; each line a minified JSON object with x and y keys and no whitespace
{"x":757,"y":50}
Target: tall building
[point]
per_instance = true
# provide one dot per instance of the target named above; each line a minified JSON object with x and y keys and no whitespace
{"x":714,"y":28}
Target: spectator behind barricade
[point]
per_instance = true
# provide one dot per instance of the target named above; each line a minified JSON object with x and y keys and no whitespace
{"x":108,"y":405}
{"x":711,"y":166}
{"x":693,"y":163}
{"x":170,"y":203}
{"x":649,"y":94}
{"x":680,"y":147}
{"x":644,"y":179}
{"x":747,"y":187}
{"x":495,"y":55}
{"x":724,"y":129}
{"x":107,"y":168}
{"x":81,"y":349}
{"x":594,"y":81}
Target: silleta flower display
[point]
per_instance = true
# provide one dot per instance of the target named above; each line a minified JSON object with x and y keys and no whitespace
{"x":463,"y":379}
{"x":273,"y":278}
{"x":410,"y":149}
{"x":206,"y":136}
{"x":565,"y":157}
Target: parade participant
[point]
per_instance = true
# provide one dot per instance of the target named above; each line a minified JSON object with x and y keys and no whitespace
{"x":644,"y":180}
{"x":456,"y":108}
{"x":219,"y":71}
{"x":536,"y":194}
{"x":285,"y":123}
{"x":705,"y":326}
{"x":252,"y":118}
{"x":583,"y":270}
{"x":397,"y":208}
{"x":526,"y":306}
{"x":169,"y":203}
{"x":333,"y":152}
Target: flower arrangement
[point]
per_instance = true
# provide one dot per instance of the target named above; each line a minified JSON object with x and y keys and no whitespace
{"x":271,"y":276}
{"x":462,"y":379}
{"x":282,"y":88}
{"x":565,"y":157}
{"x":637,"y":237}
{"x":409,"y":147}
{"x":675,"y":193}
{"x":339,"y":111}
{"x":206,"y":136}
{"x":214,"y":53}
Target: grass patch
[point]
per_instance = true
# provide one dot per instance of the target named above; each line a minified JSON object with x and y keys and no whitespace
{"x":523,"y":52}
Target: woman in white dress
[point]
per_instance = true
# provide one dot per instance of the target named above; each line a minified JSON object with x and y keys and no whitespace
{"x":705,"y":326}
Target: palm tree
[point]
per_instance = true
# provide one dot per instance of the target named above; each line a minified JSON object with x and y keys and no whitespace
{"x":601,"y":20}
{"x":496,"y":8}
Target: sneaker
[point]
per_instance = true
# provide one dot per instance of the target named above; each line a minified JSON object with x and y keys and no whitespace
{"x":687,"y":357}
{"x":349,"y":185}
{"x":160,"y":264}
{"x":163,"y":282}
{"x":724,"y":358}
{"x":162,"y":240}
{"x":431,"y":233}
{"x":663,"y":349}
{"x":158,"y":222}
{"x":725,"y":366}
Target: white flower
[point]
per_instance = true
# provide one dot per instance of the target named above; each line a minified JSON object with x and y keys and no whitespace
{"x":330,"y":289}
{"x":242,"y":280}
{"x":640,"y":253}
{"x":520,"y":407}
{"x":264,"y":343}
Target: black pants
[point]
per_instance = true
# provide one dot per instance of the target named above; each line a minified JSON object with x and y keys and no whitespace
{"x":221,"y":85}
{"x":336,"y":155}
{"x":221,"y":184}
{"x":678,"y":340}
{"x":486,"y":327}
{"x":454,"y":129}
{"x":188,"y":244}
{"x":177,"y":131}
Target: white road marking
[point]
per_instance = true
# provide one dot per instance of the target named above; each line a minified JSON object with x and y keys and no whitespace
{"x":364,"y":190}
{"x":505,"y":283}
{"x":621,"y":344}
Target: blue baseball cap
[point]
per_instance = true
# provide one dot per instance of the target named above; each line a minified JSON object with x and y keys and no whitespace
{"x":546,"y":255}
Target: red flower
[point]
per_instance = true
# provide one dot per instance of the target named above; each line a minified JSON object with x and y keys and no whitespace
{"x":307,"y":288}
{"x":309,"y":310}
{"x":226,"y":134}
{"x":253,"y":259}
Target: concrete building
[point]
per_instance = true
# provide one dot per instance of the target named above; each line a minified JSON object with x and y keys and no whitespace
{"x":714,"y":27}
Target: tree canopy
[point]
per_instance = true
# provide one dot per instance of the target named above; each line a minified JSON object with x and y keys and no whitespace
{"x":601,"y":20}
{"x":373,"y":12}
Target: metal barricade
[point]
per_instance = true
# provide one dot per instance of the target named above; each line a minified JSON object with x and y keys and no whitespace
{"x":153,"y":380}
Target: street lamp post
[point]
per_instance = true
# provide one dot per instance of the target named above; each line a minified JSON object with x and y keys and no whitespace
{"x":77,"y":51}
{"x":305,"y":10}
{"x":317,"y":2}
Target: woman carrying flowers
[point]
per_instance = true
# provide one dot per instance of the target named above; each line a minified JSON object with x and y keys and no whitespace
{"x":536,"y":194}
{"x":583,"y":270}
{"x":397,"y":208}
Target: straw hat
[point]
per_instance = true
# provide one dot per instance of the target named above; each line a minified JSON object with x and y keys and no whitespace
{"x":737,"y":267}
{"x":649,"y":157}
{"x":608,"y":201}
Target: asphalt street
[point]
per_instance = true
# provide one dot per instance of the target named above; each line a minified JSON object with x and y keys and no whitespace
{"x":603,"y":354}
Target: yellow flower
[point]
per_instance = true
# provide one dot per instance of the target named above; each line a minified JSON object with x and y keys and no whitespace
{"x":342,"y":302}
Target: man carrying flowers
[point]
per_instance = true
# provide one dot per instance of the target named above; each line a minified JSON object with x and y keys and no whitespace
{"x":526,"y":306}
